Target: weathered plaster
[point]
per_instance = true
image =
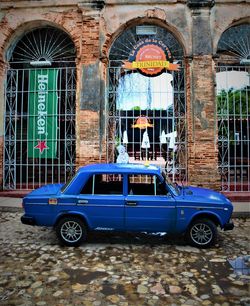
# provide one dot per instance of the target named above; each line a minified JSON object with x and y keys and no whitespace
{"x":94,"y":26}
{"x":176,"y":19}
{"x":224,"y":15}
{"x":91,"y":89}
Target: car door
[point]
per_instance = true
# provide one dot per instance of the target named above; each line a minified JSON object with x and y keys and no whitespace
{"x":148,"y":207}
{"x":102,"y":201}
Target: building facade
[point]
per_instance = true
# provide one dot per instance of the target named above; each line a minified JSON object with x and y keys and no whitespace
{"x":165,"y":81}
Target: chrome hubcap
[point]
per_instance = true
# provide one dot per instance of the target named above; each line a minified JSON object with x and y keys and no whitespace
{"x":71,"y":231}
{"x":201,"y":234}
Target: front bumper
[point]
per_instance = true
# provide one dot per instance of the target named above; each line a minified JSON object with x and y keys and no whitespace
{"x":28,"y":220}
{"x":228,"y":226}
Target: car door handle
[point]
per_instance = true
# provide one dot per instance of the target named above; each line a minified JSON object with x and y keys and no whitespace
{"x":131,"y":203}
{"x":83,"y":201}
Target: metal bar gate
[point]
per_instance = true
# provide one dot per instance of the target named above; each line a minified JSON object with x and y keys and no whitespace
{"x":233,"y":119}
{"x":147,"y":116}
{"x":21,"y":170}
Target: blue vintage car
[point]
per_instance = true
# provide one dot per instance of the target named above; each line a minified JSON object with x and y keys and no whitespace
{"x":127,"y":197}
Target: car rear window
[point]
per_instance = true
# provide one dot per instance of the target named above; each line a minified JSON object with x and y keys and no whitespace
{"x":104,"y":184}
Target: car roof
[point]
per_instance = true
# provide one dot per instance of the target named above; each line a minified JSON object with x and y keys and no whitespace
{"x":120,"y":168}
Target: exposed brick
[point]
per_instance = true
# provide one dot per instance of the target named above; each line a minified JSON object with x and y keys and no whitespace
{"x":1,"y":158}
{"x":203,"y":154}
{"x":93,"y":32}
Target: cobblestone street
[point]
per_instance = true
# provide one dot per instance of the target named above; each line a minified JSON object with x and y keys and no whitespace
{"x":121,"y":269}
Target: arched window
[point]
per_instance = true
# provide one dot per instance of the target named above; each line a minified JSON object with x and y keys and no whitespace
{"x":146,"y":101}
{"x":233,"y":108}
{"x":234,"y":45}
{"x":40,"y":110}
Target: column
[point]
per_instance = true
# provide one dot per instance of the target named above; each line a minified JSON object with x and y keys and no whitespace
{"x":89,"y":126}
{"x":202,"y":129}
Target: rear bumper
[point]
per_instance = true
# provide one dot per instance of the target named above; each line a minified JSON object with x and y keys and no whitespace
{"x":228,"y":226}
{"x":28,"y":220}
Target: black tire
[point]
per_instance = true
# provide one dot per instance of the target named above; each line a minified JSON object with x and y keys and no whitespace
{"x":71,"y":231}
{"x":202,"y":233}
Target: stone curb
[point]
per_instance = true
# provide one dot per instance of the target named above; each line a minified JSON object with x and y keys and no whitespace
{"x":241,"y":214}
{"x":10,"y":209}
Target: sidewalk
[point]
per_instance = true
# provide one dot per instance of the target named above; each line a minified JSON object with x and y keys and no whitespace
{"x":10,"y":204}
{"x":241,"y":209}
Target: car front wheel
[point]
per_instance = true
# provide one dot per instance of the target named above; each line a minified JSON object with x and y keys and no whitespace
{"x":71,"y":231}
{"x":202,"y":233}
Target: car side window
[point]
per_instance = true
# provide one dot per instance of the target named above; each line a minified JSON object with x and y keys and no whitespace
{"x":88,"y":187}
{"x":104,"y":184}
{"x":145,"y":185}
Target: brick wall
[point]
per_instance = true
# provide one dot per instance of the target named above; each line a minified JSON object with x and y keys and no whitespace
{"x":93,"y":29}
{"x":202,"y":161}
{"x":89,"y":128}
{"x":88,"y":148}
{"x":1,"y":159}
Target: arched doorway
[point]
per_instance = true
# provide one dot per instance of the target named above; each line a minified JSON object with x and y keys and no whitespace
{"x":233,"y":108}
{"x":147,"y":106}
{"x":39,"y":136}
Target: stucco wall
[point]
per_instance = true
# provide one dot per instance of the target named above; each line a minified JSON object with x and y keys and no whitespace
{"x":94,"y":25}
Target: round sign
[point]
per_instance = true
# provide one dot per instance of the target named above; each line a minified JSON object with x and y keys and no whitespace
{"x":150,"y":53}
{"x":150,"y":57}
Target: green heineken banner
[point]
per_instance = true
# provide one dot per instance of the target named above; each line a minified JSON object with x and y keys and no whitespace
{"x":42,"y":113}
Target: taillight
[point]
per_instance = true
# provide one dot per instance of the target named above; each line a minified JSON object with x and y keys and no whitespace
{"x":53,"y":201}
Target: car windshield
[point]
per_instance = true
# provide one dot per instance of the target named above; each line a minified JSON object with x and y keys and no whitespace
{"x":172,"y":186}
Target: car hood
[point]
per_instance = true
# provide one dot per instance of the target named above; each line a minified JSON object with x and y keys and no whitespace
{"x":47,"y":190}
{"x":204,"y":195}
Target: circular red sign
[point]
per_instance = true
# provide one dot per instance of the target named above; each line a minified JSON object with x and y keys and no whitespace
{"x":151,"y":52}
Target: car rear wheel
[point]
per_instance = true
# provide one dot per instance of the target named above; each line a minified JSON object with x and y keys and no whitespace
{"x":71,"y":231}
{"x":202,"y":233}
